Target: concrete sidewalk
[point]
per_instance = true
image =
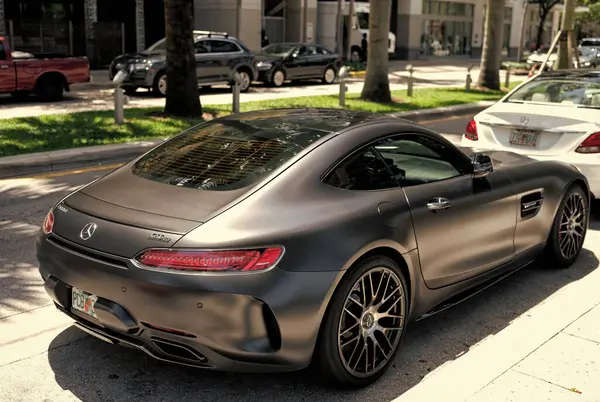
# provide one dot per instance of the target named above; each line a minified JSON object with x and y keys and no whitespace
{"x":550,"y":353}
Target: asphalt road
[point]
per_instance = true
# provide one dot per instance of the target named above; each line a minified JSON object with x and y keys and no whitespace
{"x":43,"y":358}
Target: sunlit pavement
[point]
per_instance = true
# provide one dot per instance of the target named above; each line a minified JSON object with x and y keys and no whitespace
{"x":43,"y":358}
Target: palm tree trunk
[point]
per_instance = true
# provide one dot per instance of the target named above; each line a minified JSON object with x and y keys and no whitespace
{"x":377,"y":84}
{"x":489,"y":74}
{"x":182,"y":84}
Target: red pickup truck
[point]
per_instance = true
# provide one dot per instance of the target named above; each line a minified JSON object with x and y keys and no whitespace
{"x":45,"y":75}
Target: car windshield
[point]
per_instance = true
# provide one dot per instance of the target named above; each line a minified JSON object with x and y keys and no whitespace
{"x":564,"y":91}
{"x":227,"y":154}
{"x":590,"y":42}
{"x":278,"y":49}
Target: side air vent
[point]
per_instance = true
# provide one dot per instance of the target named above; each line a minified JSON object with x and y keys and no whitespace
{"x":531,"y":204}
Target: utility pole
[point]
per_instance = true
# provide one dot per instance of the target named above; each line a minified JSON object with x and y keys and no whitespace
{"x":567,"y":39}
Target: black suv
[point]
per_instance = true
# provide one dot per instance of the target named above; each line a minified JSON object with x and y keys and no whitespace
{"x":218,"y":57}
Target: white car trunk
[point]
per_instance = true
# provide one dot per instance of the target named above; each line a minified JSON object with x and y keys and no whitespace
{"x":542,"y":129}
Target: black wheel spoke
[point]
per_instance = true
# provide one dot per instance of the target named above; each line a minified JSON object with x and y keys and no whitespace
{"x":372,"y":321}
{"x":572,"y":226}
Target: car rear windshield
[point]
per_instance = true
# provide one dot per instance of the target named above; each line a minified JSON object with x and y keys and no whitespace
{"x":225,"y":154}
{"x":564,"y":91}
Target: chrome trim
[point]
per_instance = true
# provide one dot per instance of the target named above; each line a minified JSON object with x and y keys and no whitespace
{"x":531,"y":128}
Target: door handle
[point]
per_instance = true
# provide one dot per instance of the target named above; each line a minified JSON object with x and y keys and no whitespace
{"x":438,"y":204}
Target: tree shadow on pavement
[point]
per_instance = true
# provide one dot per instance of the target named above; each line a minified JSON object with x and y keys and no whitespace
{"x":95,"y":371}
{"x":23,"y":206}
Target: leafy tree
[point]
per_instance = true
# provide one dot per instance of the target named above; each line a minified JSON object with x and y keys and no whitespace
{"x":377,"y":84}
{"x":182,"y":83}
{"x":545,"y":7}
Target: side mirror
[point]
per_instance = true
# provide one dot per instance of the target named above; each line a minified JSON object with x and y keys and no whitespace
{"x":482,"y":165}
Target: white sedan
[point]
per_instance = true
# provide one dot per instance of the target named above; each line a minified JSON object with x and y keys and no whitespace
{"x":555,"y":115}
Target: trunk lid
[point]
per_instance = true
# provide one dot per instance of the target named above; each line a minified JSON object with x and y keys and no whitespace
{"x":551,"y":129}
{"x":125,"y":197}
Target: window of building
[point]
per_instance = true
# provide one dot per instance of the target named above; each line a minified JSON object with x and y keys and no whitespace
{"x":442,"y":36}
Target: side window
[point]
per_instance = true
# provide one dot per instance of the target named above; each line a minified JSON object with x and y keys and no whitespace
{"x":364,"y":170}
{"x":202,"y":46}
{"x":417,"y":159}
{"x":313,"y":50}
{"x":2,"y":52}
{"x":303,"y":51}
{"x":223,"y":46}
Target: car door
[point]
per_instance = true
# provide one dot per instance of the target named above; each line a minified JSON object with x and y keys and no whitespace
{"x":206,"y":66}
{"x":464,"y":226}
{"x":316,"y":61}
{"x":7,"y":72}
{"x":225,"y":53}
{"x":297,"y":65}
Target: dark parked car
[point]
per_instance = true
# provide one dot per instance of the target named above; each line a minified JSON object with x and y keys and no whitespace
{"x":218,"y":57}
{"x":266,"y":240}
{"x":281,"y":62}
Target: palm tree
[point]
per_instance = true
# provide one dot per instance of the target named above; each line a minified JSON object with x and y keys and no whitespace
{"x":377,"y":84}
{"x":491,"y":56}
{"x":182,"y":84}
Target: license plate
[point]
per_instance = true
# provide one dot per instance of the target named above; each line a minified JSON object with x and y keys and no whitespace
{"x":84,"y":302}
{"x":528,"y":138}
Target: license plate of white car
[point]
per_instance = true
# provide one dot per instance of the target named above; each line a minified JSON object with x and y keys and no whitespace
{"x":528,"y":138}
{"x":84,"y":302}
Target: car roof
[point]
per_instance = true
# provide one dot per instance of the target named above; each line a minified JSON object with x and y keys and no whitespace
{"x":572,"y":74}
{"x":329,"y":120}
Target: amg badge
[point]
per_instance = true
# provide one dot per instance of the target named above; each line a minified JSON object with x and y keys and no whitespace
{"x":159,"y":237}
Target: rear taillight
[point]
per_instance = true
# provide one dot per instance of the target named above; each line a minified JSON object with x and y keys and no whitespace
{"x":212,"y":261}
{"x":48,"y":223}
{"x":471,"y":131}
{"x":591,"y":145}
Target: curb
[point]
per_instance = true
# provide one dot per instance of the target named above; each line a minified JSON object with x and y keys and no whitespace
{"x":53,"y":161}
{"x":443,"y":112}
{"x":460,"y":379}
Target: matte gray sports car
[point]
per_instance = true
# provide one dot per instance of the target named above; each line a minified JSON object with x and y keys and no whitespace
{"x":269,"y":240}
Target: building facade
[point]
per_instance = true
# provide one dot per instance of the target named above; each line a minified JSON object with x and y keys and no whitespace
{"x":102,"y":29}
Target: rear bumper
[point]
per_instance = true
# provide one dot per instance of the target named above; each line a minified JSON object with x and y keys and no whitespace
{"x":260,"y":322}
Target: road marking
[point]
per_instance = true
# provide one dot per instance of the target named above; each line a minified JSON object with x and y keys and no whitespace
{"x":72,"y":172}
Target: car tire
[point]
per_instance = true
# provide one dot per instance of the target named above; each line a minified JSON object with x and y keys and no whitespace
{"x":569,"y":229}
{"x":329,"y":75}
{"x":335,"y":360}
{"x":277,"y":78}
{"x":246,"y":80}
{"x":159,"y":88}
{"x":50,"y":89}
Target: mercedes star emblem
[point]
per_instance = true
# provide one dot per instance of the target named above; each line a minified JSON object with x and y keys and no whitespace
{"x":88,"y":230}
{"x":524,"y":120}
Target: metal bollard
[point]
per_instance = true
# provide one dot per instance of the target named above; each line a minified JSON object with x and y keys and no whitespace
{"x":469,"y":80}
{"x":119,"y":97}
{"x":507,"y":78}
{"x":119,"y":105}
{"x":235,"y":88}
{"x":343,"y":87}
{"x":411,"y":79}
